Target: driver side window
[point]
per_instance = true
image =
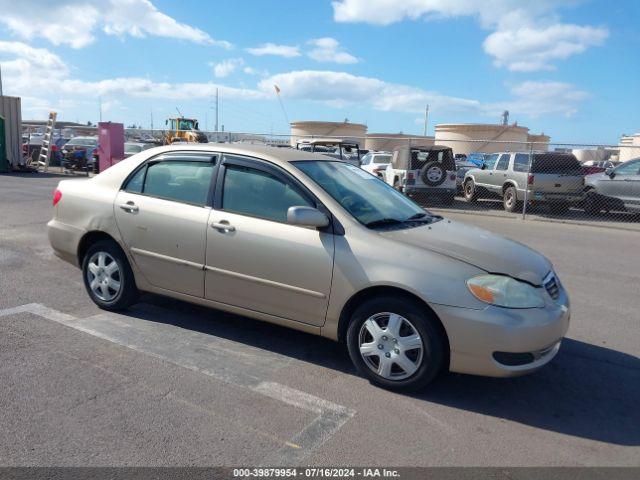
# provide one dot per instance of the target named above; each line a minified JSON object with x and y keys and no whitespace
{"x":256,"y":193}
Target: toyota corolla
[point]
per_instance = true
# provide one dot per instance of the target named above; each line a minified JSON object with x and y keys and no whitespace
{"x":316,"y":244}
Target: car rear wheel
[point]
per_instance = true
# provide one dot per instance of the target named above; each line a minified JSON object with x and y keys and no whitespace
{"x":510,"y":200}
{"x":395,"y":344}
{"x":470,"y":193}
{"x":108,"y":277}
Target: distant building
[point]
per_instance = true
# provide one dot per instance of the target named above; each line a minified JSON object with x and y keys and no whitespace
{"x":390,"y":141}
{"x":488,"y":138}
{"x":629,"y":147}
{"x":301,"y":130}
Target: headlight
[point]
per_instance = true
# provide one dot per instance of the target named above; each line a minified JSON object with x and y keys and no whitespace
{"x":505,"y":291}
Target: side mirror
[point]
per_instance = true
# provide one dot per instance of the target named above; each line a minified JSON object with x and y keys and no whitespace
{"x":307,"y":217}
{"x":609,"y":171}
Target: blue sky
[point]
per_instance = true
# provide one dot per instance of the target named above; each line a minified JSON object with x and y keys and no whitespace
{"x":568,"y":68}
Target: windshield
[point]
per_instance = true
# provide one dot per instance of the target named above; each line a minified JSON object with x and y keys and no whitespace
{"x":367,"y":198}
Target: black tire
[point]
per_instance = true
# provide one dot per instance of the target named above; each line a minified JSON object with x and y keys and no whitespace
{"x":592,"y":203}
{"x":433,"y":166}
{"x":434,"y":354}
{"x":510,"y":200}
{"x":128,"y":293}
{"x":470,"y":191}
{"x":559,"y":208}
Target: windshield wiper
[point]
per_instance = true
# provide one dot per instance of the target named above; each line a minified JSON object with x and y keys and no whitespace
{"x":383,"y":222}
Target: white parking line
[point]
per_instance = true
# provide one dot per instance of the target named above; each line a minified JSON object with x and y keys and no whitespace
{"x":184,"y":349}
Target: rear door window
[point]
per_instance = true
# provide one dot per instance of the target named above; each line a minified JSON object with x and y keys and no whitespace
{"x":180,"y":181}
{"x":503,"y":163}
{"x":521,"y":162}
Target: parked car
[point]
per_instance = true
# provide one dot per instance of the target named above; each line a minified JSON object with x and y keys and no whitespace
{"x":425,"y":171}
{"x":591,"y":166}
{"x":294,"y":238}
{"x":552,"y":178}
{"x":476,"y":158}
{"x":332,"y":147}
{"x":79,"y":153}
{"x":617,"y":189}
{"x":131,"y":148}
{"x":376,"y":162}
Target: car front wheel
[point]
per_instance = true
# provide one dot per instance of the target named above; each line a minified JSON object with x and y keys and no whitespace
{"x":395,"y":344}
{"x":108,"y":277}
{"x":470,"y":193}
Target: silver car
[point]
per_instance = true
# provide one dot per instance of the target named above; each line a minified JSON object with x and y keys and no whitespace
{"x":294,"y":238}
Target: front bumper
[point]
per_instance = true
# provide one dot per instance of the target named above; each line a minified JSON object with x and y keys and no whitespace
{"x":475,"y":336}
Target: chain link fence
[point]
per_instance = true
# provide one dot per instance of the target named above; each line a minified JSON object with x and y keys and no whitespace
{"x":581,"y":183}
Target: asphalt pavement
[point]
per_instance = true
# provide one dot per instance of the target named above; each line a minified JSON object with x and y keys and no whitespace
{"x":168,"y":383}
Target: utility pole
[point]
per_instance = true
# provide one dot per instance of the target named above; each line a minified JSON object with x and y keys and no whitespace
{"x":426,"y":119}
{"x":151,"y":118}
{"x":1,"y":94}
{"x":100,"y":107}
{"x":216,"y":109}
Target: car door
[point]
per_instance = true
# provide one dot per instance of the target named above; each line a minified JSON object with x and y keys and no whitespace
{"x":482,"y":176}
{"x":255,"y":259}
{"x":162,"y":215}
{"x":620,"y":183}
{"x":631,"y":185}
{"x":499,"y":174}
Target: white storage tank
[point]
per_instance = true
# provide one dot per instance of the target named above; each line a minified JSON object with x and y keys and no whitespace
{"x":629,"y":147}
{"x":387,"y":142}
{"x":480,"y":137}
{"x":11,"y":111}
{"x":301,"y":130}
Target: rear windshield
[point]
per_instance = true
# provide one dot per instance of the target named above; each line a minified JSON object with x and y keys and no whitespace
{"x":420,"y":157}
{"x":382,"y":159}
{"x":554,"y":163}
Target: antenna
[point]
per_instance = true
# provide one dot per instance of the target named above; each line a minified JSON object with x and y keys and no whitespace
{"x":1,"y":94}
{"x":505,"y":117}
{"x":179,"y":113}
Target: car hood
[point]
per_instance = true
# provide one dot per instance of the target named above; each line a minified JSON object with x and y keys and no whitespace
{"x":485,"y":250}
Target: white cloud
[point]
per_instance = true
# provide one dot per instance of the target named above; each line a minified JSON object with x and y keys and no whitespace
{"x":526,"y":36}
{"x":74,"y":22}
{"x":37,"y":72}
{"x":227,"y":67}
{"x":328,"y":49}
{"x":340,"y":89}
{"x":529,"y":49}
{"x":538,"y":98}
{"x":287,"y":51}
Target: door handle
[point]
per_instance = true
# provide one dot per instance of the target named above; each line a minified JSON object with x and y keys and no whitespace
{"x":129,"y":207}
{"x":223,"y":226}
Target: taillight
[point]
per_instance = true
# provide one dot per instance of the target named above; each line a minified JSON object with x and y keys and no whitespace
{"x":452,"y":176}
{"x":410,"y":176}
{"x":530,"y":179}
{"x":57,"y":195}
{"x":54,"y":148}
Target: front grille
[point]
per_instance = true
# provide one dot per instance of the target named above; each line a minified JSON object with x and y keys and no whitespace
{"x":551,"y":286}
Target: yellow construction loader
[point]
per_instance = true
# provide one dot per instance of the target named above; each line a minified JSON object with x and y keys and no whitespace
{"x":183,"y":129}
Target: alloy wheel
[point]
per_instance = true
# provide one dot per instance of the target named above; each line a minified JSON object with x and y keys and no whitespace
{"x":390,"y":346}
{"x":104,"y":276}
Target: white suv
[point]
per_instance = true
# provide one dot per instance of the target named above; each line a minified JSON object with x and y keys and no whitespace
{"x":376,"y":163}
{"x":423,"y":172}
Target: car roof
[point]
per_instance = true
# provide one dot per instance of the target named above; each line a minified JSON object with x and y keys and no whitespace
{"x":276,"y":155}
{"x":426,"y":148}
